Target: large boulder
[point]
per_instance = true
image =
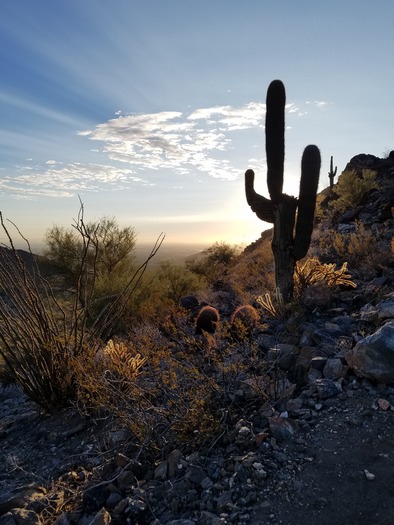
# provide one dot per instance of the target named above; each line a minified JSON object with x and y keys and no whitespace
{"x":373,"y":357}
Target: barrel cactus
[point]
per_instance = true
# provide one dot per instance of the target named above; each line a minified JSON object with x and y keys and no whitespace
{"x":243,"y":321}
{"x":292,"y":218}
{"x":207,"y":320}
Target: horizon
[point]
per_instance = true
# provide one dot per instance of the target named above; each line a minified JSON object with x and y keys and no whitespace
{"x":152,"y":112}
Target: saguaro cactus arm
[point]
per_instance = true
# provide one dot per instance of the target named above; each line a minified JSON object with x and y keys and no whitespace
{"x":310,"y":170}
{"x":261,"y":206}
{"x":275,"y":138}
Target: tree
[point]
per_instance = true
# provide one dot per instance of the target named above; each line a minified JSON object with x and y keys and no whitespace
{"x":111,"y":246}
{"x":176,"y":281}
{"x":101,"y":260}
{"x":214,"y":261}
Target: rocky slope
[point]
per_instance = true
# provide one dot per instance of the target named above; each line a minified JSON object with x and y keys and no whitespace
{"x":315,"y":448}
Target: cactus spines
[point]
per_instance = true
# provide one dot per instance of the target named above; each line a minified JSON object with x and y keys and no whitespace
{"x":243,"y":320}
{"x":207,"y":320}
{"x":332,"y":173}
{"x":292,"y":218}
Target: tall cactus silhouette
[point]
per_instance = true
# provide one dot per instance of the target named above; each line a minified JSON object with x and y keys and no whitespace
{"x":332,"y":173}
{"x":292,"y":218}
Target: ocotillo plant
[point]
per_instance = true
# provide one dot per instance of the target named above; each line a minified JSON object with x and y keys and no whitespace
{"x":291,"y":238}
{"x":332,"y":173}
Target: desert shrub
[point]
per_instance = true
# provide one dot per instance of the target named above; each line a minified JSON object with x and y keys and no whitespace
{"x":351,"y":188}
{"x":214,"y":262}
{"x":42,"y":333}
{"x":364,"y":250}
{"x":252,"y":272}
{"x":176,"y":280}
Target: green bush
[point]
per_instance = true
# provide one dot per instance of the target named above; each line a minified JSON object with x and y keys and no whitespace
{"x":351,"y":189}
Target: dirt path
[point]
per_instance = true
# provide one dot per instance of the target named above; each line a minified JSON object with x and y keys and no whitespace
{"x":349,"y":479}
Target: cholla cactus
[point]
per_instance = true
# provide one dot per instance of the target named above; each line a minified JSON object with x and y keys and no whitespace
{"x":292,"y":236}
{"x":207,"y":320}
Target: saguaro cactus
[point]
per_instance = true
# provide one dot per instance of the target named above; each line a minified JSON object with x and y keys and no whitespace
{"x":332,"y":173}
{"x":292,"y":218}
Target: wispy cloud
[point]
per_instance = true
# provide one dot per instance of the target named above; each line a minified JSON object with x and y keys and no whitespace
{"x":173,"y":140}
{"x":66,"y":180}
{"x":140,"y":148}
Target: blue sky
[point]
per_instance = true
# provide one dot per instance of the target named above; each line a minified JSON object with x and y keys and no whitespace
{"x":151,"y":111}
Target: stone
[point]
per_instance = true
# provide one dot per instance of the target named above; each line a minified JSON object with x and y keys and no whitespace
{"x":161,"y":470}
{"x":317,"y":296}
{"x":174,"y":459}
{"x":327,"y":388}
{"x":125,"y":480}
{"x":386,"y":309}
{"x":368,"y":313}
{"x":195,"y":474}
{"x":103,"y":517}
{"x":318,"y":363}
{"x":20,"y":497}
{"x":20,"y":517}
{"x":282,"y":428}
{"x":383,"y":404}
{"x":373,"y":356}
{"x":335,"y":369}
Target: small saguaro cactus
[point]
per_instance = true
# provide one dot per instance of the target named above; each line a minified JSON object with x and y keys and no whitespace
{"x":207,"y":320}
{"x":292,"y":218}
{"x":332,"y":173}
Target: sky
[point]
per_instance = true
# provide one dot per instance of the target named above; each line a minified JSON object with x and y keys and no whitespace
{"x":151,"y":111}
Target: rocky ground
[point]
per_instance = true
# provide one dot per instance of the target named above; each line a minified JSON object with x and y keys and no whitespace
{"x":323,"y":453}
{"x":335,"y":466}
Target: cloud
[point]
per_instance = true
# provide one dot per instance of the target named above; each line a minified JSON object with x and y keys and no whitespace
{"x":67,"y":180}
{"x":145,"y":148}
{"x":172,"y":140}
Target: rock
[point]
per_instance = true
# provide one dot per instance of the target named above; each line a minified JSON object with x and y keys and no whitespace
{"x":335,"y":369}
{"x":385,"y":309}
{"x":20,"y":497}
{"x":103,"y":517}
{"x":195,"y":474}
{"x":373,"y":357}
{"x":20,"y":517}
{"x":282,"y":428}
{"x":189,"y":302}
{"x":181,"y":522}
{"x":174,"y":458}
{"x":318,"y":363}
{"x":161,"y":470}
{"x":369,"y":313}
{"x":317,"y":296}
{"x":125,"y":480}
{"x":65,"y":518}
{"x":327,"y":388}
{"x":383,"y":404}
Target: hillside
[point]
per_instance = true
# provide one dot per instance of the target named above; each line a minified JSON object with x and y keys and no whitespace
{"x":291,"y":424}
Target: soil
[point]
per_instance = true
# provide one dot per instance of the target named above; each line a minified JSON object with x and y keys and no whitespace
{"x":349,"y":478}
{"x":340,"y":470}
